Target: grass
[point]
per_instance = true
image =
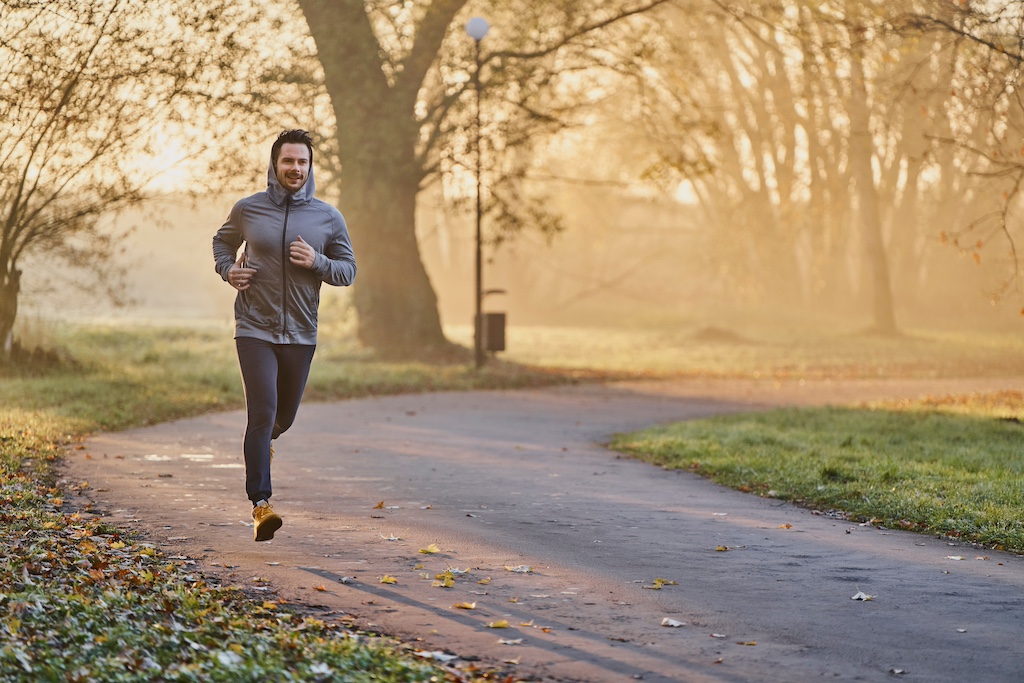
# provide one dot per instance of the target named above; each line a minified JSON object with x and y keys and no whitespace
{"x":952,"y":467}
{"x":781,"y":352}
{"x":83,"y":601}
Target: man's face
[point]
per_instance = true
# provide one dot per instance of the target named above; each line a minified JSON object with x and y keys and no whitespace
{"x":292,"y":166}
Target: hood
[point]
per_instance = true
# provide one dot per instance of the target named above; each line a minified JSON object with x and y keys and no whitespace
{"x":279,"y":195}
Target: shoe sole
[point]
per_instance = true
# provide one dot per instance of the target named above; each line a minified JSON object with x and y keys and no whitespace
{"x":266,"y":531}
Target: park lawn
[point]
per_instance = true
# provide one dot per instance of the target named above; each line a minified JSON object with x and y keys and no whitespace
{"x":84,"y":601}
{"x":948,"y":466}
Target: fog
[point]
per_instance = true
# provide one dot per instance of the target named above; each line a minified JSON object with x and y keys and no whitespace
{"x":624,"y":261}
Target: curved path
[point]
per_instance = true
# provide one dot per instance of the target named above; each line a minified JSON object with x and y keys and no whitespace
{"x":499,"y":481}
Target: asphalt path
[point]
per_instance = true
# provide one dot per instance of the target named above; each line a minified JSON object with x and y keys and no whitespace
{"x":547,"y":531}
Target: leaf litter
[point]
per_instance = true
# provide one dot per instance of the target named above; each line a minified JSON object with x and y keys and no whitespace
{"x":81,"y":600}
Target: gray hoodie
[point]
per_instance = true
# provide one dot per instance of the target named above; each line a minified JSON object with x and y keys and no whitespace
{"x":280,"y":305}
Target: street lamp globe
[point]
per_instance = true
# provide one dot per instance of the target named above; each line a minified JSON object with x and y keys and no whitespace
{"x":477,"y":28}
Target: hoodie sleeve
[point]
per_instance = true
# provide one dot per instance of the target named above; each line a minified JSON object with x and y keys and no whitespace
{"x":227,"y":241}
{"x":337,"y":264}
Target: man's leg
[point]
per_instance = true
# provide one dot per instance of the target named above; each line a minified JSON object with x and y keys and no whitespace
{"x":259,"y":366}
{"x":293,"y":361}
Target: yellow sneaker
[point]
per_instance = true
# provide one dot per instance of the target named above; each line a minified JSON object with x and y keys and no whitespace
{"x":266,"y":521}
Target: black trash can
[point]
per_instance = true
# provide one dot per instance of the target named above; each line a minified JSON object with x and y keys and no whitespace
{"x":492,"y":331}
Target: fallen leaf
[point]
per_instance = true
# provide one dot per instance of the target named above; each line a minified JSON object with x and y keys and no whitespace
{"x":444,"y":580}
{"x":502,"y":641}
{"x":954,"y":557}
{"x":719,"y":635}
{"x":321,"y":587}
{"x":785,"y":526}
{"x":431,"y":549}
{"x":722,"y":548}
{"x":484,"y":582}
{"x":672,"y":623}
{"x":379,"y":506}
{"x":388,"y":579}
{"x":747,"y":642}
{"x":500,"y":623}
{"x":464,"y":605}
{"x":659,"y":582}
{"x":390,"y":537}
{"x":961,"y":630}
{"x":521,"y":569}
{"x":862,"y":596}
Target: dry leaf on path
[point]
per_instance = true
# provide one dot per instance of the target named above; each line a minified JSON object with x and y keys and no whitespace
{"x":672,"y":623}
{"x":861,"y":595}
{"x":388,"y":579}
{"x":464,"y":605}
{"x":431,"y":549}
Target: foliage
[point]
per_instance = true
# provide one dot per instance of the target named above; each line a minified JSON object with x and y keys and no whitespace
{"x":83,"y":601}
{"x":913,"y":466}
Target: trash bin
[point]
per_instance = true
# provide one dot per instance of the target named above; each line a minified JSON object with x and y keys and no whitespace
{"x":492,"y":331}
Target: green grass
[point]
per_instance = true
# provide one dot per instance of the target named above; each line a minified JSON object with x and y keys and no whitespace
{"x":951,"y":467}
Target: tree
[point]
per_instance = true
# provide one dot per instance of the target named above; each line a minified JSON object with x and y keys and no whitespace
{"x":90,"y":98}
{"x":985,"y":83}
{"x":396,"y":73}
{"x":814,"y":145}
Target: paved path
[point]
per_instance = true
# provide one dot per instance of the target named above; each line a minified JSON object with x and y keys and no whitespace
{"x":519,"y":479}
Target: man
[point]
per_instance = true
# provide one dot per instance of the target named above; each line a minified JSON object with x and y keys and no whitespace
{"x":293,"y":243}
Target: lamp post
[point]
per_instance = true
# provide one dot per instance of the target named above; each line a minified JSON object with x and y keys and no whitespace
{"x":477,"y":28}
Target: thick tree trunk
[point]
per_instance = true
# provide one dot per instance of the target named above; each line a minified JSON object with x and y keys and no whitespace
{"x":377,"y":134}
{"x":10,"y":287}
{"x":861,"y":149}
{"x":393,"y":296}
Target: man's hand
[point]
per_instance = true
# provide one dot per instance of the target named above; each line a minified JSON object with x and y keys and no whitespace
{"x":240,"y":274}
{"x":301,"y":254}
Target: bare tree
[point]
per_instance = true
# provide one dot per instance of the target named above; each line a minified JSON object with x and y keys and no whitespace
{"x":820,"y":123}
{"x":396,"y":73}
{"x":92,"y":95}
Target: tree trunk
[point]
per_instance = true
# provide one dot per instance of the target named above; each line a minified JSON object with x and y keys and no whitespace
{"x":861,"y":151}
{"x":377,"y":134}
{"x":393,"y":296}
{"x":10,"y":286}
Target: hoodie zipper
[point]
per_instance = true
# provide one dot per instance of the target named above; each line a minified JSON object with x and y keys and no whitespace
{"x":284,"y":268}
